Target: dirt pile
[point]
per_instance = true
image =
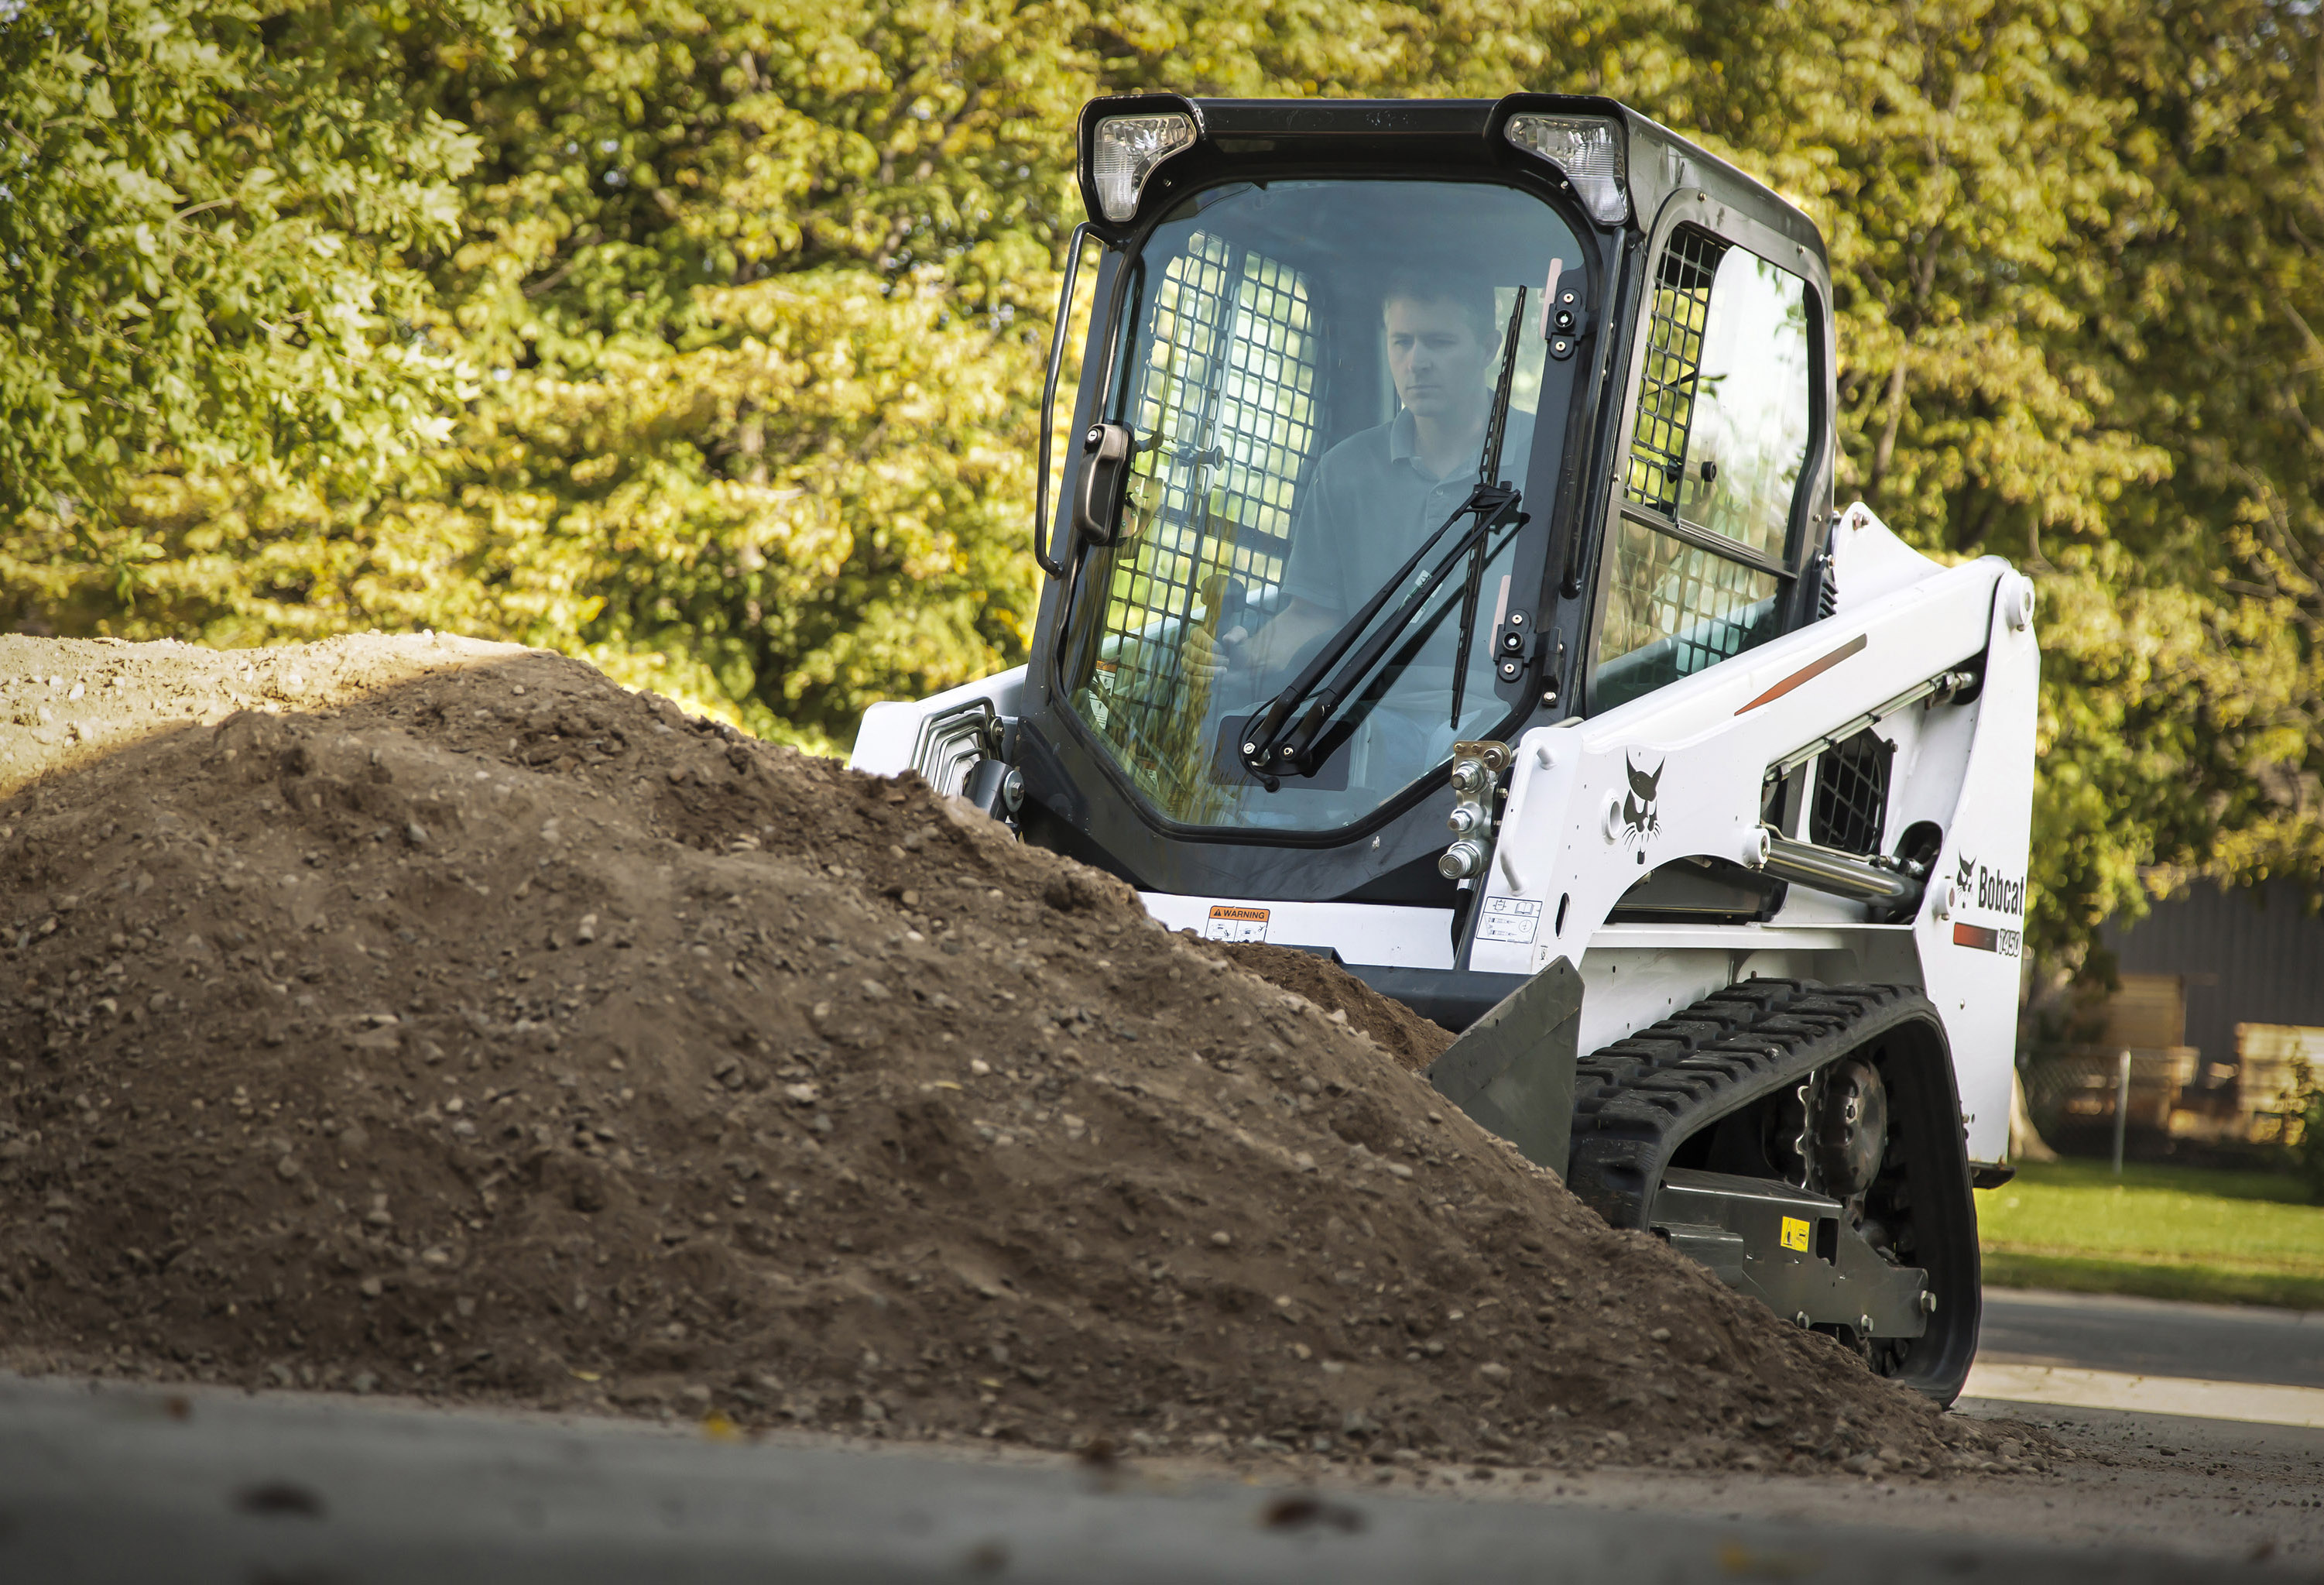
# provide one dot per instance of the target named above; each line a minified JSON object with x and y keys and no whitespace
{"x":1412,"y":1041}
{"x":500,"y":1033}
{"x":63,"y":704}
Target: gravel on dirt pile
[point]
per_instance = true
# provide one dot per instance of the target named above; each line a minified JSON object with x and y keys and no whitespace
{"x":1412,"y":1041}
{"x":482,"y":1029}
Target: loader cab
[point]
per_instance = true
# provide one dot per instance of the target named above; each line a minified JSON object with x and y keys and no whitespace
{"x":1318,"y":334}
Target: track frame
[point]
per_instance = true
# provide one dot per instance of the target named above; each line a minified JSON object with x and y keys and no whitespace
{"x":1703,"y":1092}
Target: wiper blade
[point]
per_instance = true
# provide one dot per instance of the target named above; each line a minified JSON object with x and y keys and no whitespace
{"x":1272,"y":751}
{"x":1272,"y":745}
{"x":1488,"y":468}
{"x":1489,"y":465}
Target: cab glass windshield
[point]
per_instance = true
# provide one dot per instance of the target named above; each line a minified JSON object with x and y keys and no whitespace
{"x":1309,"y":369}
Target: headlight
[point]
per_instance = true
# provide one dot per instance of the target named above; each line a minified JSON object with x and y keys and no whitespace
{"x":1128,"y":149}
{"x":1587,"y":151}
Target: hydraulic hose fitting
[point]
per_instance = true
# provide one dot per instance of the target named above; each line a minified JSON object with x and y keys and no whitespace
{"x":1477,"y":770}
{"x":1463,"y":860}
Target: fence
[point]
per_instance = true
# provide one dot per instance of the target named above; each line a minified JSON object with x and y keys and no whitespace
{"x":2078,"y":1098}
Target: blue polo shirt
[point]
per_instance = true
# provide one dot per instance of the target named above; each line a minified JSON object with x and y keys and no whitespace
{"x":1369,"y":503}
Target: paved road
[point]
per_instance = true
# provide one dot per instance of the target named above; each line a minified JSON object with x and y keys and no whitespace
{"x":2148,"y":1337}
{"x":130,"y":1484}
{"x":103,"y":1483}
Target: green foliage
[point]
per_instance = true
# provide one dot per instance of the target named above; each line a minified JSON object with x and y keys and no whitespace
{"x":2070,"y":254}
{"x":747,"y":302}
{"x":2191,"y":1283}
{"x":701,"y":336}
{"x":204,"y":214}
{"x":2303,"y":1134}
{"x":2173,"y":1231}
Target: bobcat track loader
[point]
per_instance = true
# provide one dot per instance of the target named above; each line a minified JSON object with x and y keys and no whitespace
{"x":1470,"y":466}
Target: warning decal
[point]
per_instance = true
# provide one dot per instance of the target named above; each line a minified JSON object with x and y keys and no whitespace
{"x":1508,"y":918}
{"x":1795,"y":1234}
{"x":1230,"y":923}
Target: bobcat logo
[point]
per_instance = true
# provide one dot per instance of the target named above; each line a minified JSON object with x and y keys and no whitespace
{"x":1641,"y":807}
{"x":1982,"y":888}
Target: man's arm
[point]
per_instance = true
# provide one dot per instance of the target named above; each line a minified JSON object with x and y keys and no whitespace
{"x":1311,"y":592}
{"x":1277,"y":641}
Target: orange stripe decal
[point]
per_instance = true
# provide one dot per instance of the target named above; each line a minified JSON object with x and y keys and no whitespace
{"x":1807,"y":673}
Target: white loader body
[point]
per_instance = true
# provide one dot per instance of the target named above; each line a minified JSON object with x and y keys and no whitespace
{"x":1577,"y":832}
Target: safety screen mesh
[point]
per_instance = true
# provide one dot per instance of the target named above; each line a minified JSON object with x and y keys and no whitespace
{"x":1224,"y":406}
{"x":1681,"y":314}
{"x":1672,"y":609}
{"x":1851,"y":811}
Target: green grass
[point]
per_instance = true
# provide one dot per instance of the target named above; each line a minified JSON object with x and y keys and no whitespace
{"x":2162,"y":1232}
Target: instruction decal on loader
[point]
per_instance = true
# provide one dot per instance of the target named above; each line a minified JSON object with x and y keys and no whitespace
{"x":1508,"y":918}
{"x":1795,"y":1234}
{"x":1228,"y":923}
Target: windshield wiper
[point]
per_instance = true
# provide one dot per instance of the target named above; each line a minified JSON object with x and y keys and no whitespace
{"x":1487,"y":466}
{"x":1274,"y":745}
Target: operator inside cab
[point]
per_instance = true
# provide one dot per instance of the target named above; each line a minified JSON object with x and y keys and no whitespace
{"x":1377,"y":495}
{"x":1310,"y":390}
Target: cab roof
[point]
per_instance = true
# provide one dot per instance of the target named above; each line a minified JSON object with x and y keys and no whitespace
{"x":1441,"y":133}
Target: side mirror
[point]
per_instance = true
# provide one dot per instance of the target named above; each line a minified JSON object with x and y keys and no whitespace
{"x":1106,"y":451}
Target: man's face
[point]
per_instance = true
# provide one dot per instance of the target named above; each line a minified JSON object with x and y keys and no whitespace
{"x":1436,"y":360}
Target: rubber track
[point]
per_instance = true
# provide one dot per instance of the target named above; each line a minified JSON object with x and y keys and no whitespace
{"x":1635,"y":1100}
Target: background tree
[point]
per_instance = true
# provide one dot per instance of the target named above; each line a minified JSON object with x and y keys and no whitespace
{"x":205,"y":217}
{"x":2073,"y":281}
{"x":703,"y":339}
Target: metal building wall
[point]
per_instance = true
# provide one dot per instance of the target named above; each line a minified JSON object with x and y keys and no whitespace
{"x":2252,"y":956}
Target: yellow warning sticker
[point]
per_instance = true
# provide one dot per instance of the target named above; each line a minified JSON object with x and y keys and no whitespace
{"x":1228,"y":923}
{"x":1795,"y":1234}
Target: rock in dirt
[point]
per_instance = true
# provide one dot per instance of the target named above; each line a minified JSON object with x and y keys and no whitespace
{"x":464,"y":1024}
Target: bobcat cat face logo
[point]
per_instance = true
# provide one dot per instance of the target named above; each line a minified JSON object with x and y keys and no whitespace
{"x":1641,"y":806}
{"x":1981,"y":887}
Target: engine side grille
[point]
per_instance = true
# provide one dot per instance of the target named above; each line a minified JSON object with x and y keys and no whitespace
{"x":950,"y":745}
{"x":1851,"y":811}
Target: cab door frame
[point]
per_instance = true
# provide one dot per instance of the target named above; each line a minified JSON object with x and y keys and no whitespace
{"x":1812,"y":503}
